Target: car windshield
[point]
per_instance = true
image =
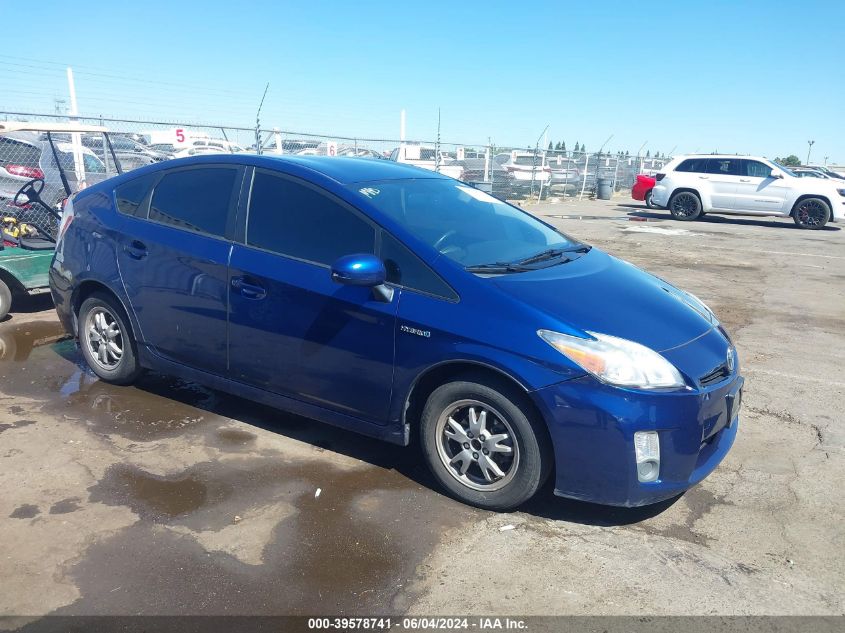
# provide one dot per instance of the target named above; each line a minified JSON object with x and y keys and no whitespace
{"x":529,"y":160}
{"x":464,"y":223}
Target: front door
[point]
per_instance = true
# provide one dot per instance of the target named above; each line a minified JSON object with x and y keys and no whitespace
{"x":294,"y":331}
{"x":757,"y":191}
{"x":173,"y":263}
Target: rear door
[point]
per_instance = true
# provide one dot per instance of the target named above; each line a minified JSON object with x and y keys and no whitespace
{"x":173,"y":260}
{"x":723,"y":178}
{"x":294,"y":331}
{"x":757,"y":191}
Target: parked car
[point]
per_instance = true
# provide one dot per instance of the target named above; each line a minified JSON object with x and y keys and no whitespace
{"x":394,"y":301}
{"x":807,"y":172}
{"x":565,"y":175}
{"x":427,"y":158}
{"x":529,"y":171}
{"x":642,"y":189}
{"x":26,"y":154}
{"x":746,"y":185}
{"x":498,"y":179}
{"x":128,"y":152}
{"x":827,"y":171}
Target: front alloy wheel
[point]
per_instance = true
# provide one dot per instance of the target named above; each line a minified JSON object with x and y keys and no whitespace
{"x":476,"y":445}
{"x":811,"y":213}
{"x":483,"y":442}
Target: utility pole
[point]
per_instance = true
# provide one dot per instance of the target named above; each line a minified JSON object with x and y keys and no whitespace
{"x":258,"y":120}
{"x":809,"y":149}
{"x":76,"y":137}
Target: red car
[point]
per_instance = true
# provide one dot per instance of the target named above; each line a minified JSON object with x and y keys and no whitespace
{"x":642,"y":189}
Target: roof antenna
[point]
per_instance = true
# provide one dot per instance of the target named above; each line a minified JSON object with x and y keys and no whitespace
{"x":258,"y":120}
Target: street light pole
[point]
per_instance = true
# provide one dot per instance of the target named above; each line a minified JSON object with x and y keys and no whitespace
{"x":809,"y":149}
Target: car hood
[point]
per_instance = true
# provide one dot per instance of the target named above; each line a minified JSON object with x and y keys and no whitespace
{"x":600,"y":293}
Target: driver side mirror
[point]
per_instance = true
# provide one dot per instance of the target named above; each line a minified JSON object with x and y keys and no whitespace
{"x":364,"y":270}
{"x":775,"y":173}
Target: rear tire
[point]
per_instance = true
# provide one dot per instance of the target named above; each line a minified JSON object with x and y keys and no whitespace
{"x":685,"y":206}
{"x":648,"y":200}
{"x":106,"y":339}
{"x":482,"y":443}
{"x":5,"y":299}
{"x":811,"y":213}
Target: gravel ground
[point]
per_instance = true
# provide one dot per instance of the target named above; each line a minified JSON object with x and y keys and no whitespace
{"x":169,"y":498}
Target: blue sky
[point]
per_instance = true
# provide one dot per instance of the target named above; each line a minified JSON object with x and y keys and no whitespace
{"x":749,"y":77}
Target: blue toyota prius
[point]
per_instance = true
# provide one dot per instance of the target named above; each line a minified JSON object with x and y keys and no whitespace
{"x":396,"y":302}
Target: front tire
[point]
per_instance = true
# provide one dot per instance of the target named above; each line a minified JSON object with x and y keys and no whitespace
{"x":106,"y":340}
{"x":5,"y":299}
{"x":811,"y":213}
{"x":483,"y":445}
{"x":685,"y":206}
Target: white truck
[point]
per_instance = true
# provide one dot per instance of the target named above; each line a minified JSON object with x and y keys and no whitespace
{"x":426,"y":157}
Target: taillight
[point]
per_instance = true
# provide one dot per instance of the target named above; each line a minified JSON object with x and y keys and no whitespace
{"x":23,"y":170}
{"x":67,"y":218}
{"x":659,"y":177}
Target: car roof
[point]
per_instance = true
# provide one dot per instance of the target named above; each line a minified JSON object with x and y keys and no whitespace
{"x":41,"y":126}
{"x":749,"y":157}
{"x":344,"y":170}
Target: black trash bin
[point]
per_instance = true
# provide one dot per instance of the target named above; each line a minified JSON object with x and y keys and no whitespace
{"x":605,"y":188}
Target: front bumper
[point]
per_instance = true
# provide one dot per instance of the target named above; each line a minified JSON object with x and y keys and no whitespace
{"x":592,"y":427}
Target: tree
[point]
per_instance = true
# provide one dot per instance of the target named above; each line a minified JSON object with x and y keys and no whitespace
{"x":583,"y":149}
{"x":648,"y":153}
{"x":577,"y":149}
{"x":626,"y":153}
{"x":789,"y":161}
{"x":551,"y":146}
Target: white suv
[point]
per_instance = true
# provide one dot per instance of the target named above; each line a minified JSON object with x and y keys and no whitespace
{"x":690,"y":186}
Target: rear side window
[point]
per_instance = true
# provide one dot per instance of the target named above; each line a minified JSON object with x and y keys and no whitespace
{"x":292,"y":219}
{"x":195,"y":199}
{"x":406,"y":269}
{"x":723,"y":166}
{"x":15,"y":153}
{"x":697,"y":165}
{"x":130,"y":195}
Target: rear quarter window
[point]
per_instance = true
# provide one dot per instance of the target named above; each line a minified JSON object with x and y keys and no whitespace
{"x":697,"y":165}
{"x":130,"y":195}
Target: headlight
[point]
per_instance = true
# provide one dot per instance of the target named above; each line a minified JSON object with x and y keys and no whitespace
{"x":616,"y":360}
{"x":841,"y":192}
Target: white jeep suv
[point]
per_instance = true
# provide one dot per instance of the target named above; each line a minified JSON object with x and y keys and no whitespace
{"x":690,"y":186}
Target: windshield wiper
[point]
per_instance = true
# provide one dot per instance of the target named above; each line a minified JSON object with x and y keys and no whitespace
{"x":497,"y":267}
{"x":552,"y":253}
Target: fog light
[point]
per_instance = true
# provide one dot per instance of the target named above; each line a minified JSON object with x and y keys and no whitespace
{"x":647,"y":453}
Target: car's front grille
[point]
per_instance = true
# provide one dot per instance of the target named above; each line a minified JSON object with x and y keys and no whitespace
{"x":717,"y":375}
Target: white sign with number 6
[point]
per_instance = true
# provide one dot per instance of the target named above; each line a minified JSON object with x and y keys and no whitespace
{"x":331,"y":148}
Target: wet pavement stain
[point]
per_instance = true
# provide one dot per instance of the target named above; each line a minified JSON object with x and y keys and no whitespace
{"x":65,"y":506}
{"x":236,"y":436}
{"x":26,"y":511}
{"x":350,"y":550}
{"x":16,"y":425}
{"x":17,"y":342}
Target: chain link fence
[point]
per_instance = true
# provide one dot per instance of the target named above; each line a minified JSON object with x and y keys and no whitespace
{"x":511,"y":173}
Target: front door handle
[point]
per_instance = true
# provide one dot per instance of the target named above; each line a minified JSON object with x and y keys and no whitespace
{"x":136,"y":249}
{"x":248,"y":290}
{"x":705,"y":177}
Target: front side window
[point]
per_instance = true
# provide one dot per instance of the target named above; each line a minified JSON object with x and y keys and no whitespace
{"x":195,"y":199}
{"x":756,"y":169}
{"x":292,"y":219}
{"x":461,"y":222}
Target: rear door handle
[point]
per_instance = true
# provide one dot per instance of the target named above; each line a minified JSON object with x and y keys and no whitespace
{"x":248,"y":290}
{"x":745,"y":180}
{"x":136,"y":249}
{"x":705,"y":177}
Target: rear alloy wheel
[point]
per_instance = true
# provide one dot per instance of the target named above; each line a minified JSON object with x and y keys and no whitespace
{"x":481,"y":446}
{"x":106,"y":340}
{"x":811,"y":213}
{"x":5,"y":300}
{"x":648,"y":200}
{"x":685,"y":206}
